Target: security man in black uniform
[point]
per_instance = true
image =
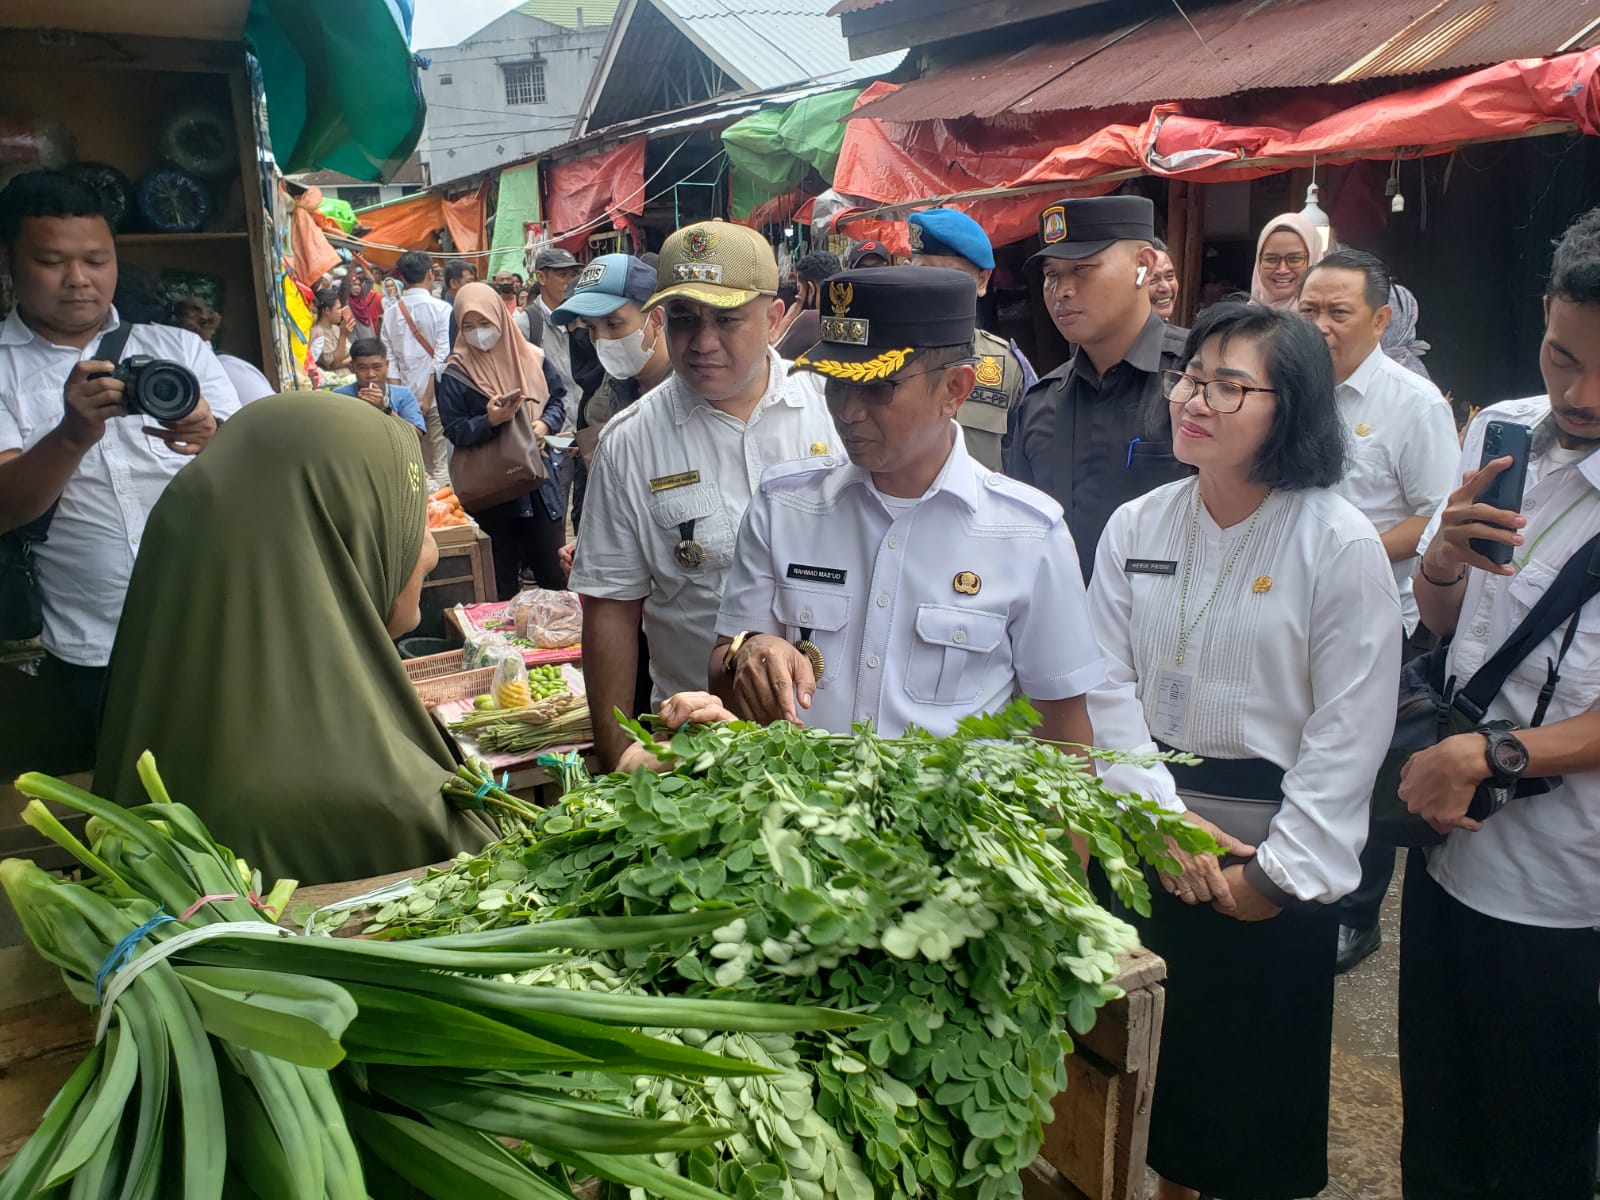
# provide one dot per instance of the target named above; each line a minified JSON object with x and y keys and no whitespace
{"x":1094,"y":432}
{"x":947,"y":237}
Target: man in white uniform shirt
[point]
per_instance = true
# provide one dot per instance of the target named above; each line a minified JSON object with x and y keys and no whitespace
{"x":68,"y":436}
{"x":1500,"y":944}
{"x":911,"y":584}
{"x":1403,"y":450}
{"x":674,"y":472}
{"x":416,"y":335}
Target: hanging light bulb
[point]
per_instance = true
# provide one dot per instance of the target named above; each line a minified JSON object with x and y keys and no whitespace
{"x":1319,"y":219}
{"x":1391,"y":189}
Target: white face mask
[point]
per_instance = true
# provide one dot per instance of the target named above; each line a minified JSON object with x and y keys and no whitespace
{"x":484,"y":337}
{"x":626,"y":356}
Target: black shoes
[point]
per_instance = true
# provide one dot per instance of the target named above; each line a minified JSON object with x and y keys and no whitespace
{"x":1355,"y":945}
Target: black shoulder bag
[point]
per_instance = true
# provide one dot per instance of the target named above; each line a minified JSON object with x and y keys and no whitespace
{"x":1432,"y":708}
{"x":21,"y":612}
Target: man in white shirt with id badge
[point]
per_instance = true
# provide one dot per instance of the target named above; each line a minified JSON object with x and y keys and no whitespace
{"x":674,"y":471}
{"x":910,"y":585}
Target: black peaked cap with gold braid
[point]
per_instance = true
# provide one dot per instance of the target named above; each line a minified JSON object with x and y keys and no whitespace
{"x":875,"y":321}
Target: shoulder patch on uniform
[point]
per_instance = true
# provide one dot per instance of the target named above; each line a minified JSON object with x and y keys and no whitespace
{"x":791,"y":474}
{"x":1024,"y":494}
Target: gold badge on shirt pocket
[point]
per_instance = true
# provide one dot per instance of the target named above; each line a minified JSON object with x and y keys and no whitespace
{"x":1363,"y":429}
{"x":1262,"y":585}
{"x":967,"y":583}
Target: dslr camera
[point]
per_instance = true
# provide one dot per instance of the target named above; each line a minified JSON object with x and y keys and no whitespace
{"x":159,"y":388}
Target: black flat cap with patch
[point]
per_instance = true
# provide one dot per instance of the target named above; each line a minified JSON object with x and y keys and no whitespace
{"x":1079,"y":228}
{"x":874,"y":321}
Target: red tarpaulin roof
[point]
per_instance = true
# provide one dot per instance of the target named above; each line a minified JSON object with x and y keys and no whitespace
{"x":901,"y":164}
{"x":579,"y":192}
{"x":1242,"y":46}
{"x":414,"y":223}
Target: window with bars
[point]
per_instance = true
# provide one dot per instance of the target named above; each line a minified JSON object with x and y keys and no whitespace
{"x":524,"y":83}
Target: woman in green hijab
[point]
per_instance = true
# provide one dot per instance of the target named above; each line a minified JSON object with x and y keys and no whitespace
{"x":255,"y":655}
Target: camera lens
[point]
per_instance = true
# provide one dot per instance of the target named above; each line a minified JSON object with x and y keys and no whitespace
{"x":167,"y":391}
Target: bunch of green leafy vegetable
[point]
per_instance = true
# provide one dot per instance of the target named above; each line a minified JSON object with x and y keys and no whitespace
{"x":240,"y":1063}
{"x":927,"y":881}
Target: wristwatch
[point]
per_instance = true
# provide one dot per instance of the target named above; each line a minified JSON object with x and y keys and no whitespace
{"x":739,"y":640}
{"x":1507,"y":756}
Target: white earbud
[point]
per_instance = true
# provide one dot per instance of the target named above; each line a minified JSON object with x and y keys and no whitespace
{"x":1139,"y":278}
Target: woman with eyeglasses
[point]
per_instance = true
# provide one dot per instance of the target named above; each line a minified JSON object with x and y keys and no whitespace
{"x":1248,"y":616}
{"x":1288,"y":247}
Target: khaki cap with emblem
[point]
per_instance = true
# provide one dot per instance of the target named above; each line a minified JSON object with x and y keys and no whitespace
{"x":716,"y":263}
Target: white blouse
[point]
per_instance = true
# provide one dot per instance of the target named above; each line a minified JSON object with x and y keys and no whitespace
{"x":1296,"y":660}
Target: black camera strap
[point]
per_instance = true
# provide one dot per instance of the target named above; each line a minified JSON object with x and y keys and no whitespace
{"x":1577,"y":583}
{"x":111,"y":348}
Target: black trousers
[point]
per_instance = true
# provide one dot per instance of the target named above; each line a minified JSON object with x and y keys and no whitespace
{"x":534,"y":542}
{"x":1499,"y":1052}
{"x":85,"y":690}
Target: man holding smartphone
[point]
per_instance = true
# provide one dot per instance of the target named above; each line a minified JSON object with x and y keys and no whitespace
{"x":371,"y":366}
{"x":1499,"y":953}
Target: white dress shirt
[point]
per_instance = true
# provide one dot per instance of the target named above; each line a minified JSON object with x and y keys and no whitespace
{"x":85,"y":563}
{"x":1403,"y":453}
{"x":926,"y":610}
{"x":666,"y":461}
{"x":1537,"y":860}
{"x":249,"y":381}
{"x":1296,"y":660}
{"x":409,"y":362}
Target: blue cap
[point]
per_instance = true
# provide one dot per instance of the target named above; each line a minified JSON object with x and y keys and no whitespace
{"x":604,"y":286}
{"x":951,"y":231}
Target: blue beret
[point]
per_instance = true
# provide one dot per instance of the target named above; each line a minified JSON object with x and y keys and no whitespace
{"x":951,"y":231}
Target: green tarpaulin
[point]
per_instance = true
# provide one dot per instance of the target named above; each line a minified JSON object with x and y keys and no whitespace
{"x":340,"y":212}
{"x":341,"y":84}
{"x":771,"y":151}
{"x":519,"y":203}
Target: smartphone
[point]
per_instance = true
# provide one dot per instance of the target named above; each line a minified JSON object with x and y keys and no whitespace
{"x":1501,"y":438}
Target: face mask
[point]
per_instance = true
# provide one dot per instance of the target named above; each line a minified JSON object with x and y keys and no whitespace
{"x":484,"y":337}
{"x":624,"y":357}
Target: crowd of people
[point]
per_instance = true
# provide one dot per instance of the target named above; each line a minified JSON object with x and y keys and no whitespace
{"x":1222,"y":540}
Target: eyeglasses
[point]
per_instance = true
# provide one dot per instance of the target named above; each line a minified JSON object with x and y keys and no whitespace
{"x":1221,"y":395}
{"x":879,"y":394}
{"x":1273,"y":261}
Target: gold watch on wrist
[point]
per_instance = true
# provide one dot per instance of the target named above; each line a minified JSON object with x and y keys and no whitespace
{"x":739,"y":640}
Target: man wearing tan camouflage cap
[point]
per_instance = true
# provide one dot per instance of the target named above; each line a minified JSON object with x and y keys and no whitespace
{"x":674,"y":472}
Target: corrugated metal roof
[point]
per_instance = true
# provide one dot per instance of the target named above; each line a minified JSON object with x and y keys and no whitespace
{"x":852,"y":6}
{"x":772,"y":43}
{"x":565,"y":12}
{"x":1247,"y":45}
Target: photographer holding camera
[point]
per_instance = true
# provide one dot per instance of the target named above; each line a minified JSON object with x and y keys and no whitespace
{"x":87,"y":442}
{"x":1500,"y":933}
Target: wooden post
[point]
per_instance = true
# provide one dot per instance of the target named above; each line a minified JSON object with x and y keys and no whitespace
{"x":1186,"y":229}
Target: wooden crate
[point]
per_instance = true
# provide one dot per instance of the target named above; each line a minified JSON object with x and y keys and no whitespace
{"x":1095,"y":1148}
{"x":465,"y":575}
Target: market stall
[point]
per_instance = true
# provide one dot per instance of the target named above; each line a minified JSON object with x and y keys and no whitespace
{"x":882,"y":929}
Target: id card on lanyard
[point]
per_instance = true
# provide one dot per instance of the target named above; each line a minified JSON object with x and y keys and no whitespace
{"x":1171,"y":721}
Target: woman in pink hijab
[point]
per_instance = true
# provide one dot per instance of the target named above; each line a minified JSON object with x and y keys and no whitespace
{"x":1289,"y":246}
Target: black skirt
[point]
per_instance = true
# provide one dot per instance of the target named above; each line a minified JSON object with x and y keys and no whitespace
{"x":1240,"y":1109}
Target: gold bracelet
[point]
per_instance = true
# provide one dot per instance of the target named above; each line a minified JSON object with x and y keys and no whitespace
{"x":739,"y":640}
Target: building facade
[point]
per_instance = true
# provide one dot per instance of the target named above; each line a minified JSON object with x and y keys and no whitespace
{"x":508,"y":91}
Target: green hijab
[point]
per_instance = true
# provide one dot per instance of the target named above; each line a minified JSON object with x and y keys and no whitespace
{"x":252,"y":658}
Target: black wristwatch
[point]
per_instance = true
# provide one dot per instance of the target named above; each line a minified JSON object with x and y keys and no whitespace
{"x":1507,"y":756}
